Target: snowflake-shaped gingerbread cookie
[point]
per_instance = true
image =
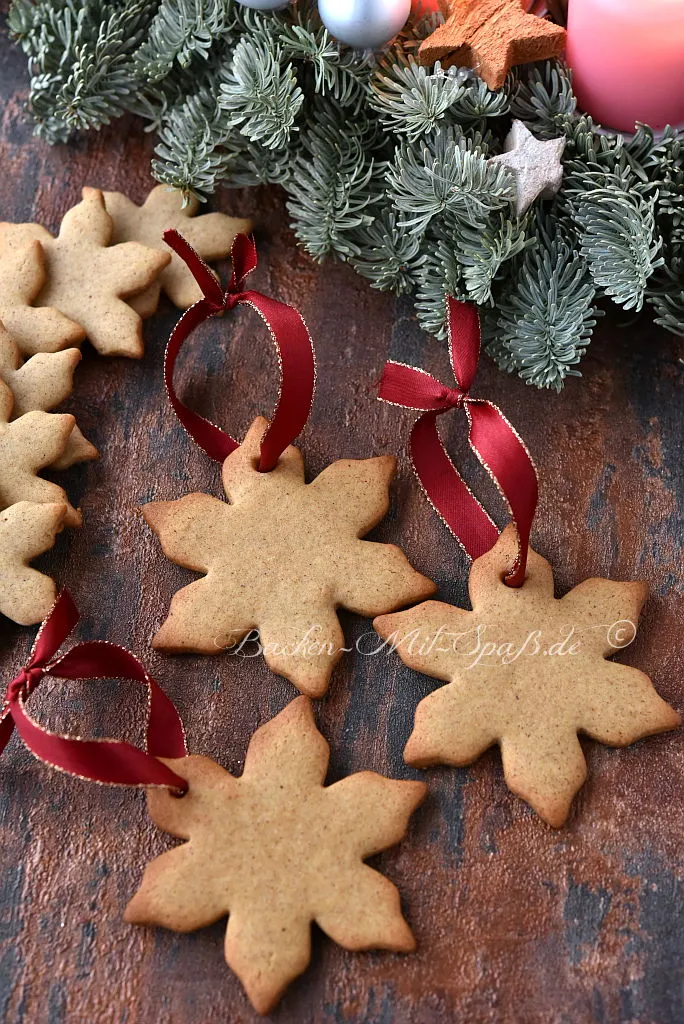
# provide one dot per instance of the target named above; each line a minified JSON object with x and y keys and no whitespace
{"x":281,"y":558}
{"x":277,"y":850}
{"x":42,"y":383}
{"x":88,"y":279}
{"x":28,"y":444}
{"x":210,"y":234}
{"x":26,"y":531}
{"x":529,"y":672}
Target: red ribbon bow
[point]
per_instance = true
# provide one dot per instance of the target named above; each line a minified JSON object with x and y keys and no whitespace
{"x":106,"y":761}
{"x":492,"y":438}
{"x":288,"y":331}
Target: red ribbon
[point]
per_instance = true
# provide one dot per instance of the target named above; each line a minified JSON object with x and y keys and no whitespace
{"x":289,"y":333}
{"x":107,"y":761}
{"x":492,"y":438}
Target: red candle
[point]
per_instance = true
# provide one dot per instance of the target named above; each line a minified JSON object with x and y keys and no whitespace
{"x":424,"y":6}
{"x":627,"y":59}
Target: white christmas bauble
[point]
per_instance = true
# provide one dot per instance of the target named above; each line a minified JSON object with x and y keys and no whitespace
{"x":265,"y":5}
{"x":364,"y":24}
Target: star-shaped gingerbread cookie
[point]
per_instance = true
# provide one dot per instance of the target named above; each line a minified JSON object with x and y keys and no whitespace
{"x":281,"y":558}
{"x":535,"y":165}
{"x":26,"y":531}
{"x":33,"y":442}
{"x":33,"y":328}
{"x":88,"y":279}
{"x":211,"y":235}
{"x":277,"y":850}
{"x":43,"y":382}
{"x":491,"y":36}
{"x":529,"y":672}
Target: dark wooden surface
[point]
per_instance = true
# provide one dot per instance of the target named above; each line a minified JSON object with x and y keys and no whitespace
{"x":515,"y":922}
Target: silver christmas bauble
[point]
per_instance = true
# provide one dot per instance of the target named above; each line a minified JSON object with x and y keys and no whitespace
{"x":364,"y":24}
{"x":265,"y":5}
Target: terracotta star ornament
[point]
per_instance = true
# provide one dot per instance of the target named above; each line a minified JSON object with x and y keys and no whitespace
{"x":527,"y":672}
{"x":276,"y":850}
{"x":491,"y":36}
{"x":88,"y":279}
{"x":281,"y":558}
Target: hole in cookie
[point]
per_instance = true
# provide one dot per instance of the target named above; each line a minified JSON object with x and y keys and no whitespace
{"x":512,"y":586}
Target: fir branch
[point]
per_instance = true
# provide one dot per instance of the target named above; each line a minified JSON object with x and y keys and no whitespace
{"x":26,"y":21}
{"x":440,"y":275}
{"x":82,"y":62}
{"x":619,"y":242}
{"x":669,"y":311}
{"x":248,"y":164}
{"x":479,"y":103}
{"x":448,"y":171}
{"x":666,"y":296}
{"x":482,"y":251}
{"x":593,"y":157}
{"x":191,"y":153}
{"x":412,"y":100}
{"x":181,"y":30}
{"x":388,"y":256}
{"x":544,"y":326}
{"x":334,"y":183}
{"x":260,"y":96}
{"x":341,"y":74}
{"x":658,"y":156}
{"x":543,"y":98}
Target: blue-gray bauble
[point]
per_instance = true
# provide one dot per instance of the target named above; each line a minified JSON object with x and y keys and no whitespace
{"x":364,"y":24}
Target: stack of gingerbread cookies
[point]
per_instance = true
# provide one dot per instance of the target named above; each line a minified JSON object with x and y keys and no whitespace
{"x":96,"y":280}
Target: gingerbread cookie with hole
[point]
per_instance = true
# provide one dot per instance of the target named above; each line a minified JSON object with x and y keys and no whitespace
{"x":210,"y":234}
{"x":528,"y":672}
{"x":281,"y":557}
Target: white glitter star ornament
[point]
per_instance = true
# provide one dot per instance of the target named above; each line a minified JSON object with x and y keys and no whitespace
{"x":536,"y":165}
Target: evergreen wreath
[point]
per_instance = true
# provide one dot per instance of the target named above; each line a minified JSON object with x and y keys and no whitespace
{"x":384,"y":162}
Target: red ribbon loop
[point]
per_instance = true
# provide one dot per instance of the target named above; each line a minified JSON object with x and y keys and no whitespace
{"x":288,"y":331}
{"x":494,"y":441}
{"x":112,"y":762}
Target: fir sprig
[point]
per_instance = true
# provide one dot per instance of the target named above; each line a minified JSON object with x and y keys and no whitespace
{"x":202,"y":160}
{"x":483,"y":249}
{"x":619,"y":242}
{"x":181,"y":31}
{"x":82,"y":61}
{"x":260,"y":93}
{"x":332,"y":190}
{"x":544,"y":327}
{"x":447,"y":171}
{"x":388,"y":256}
{"x":385,"y":162}
{"x":413,"y":101}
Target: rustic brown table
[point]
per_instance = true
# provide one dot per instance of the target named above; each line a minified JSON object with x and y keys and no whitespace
{"x":515,"y":922}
